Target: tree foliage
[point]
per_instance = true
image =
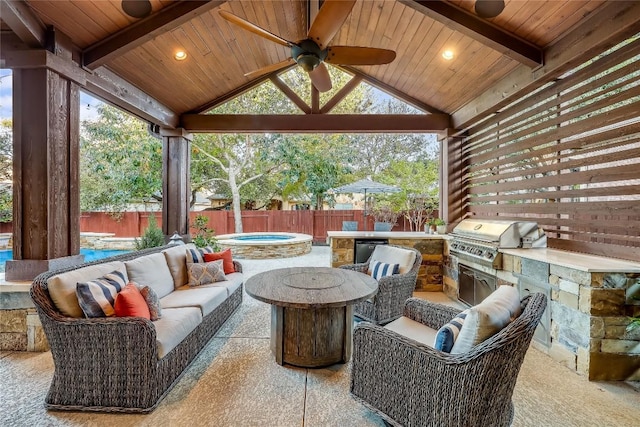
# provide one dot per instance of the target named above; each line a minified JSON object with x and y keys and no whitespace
{"x":6,"y":171}
{"x":120,"y":162}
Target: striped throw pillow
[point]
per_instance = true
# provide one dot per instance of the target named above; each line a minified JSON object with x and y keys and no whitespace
{"x":448,"y":334}
{"x":195,"y":256}
{"x":378,"y":269}
{"x":97,"y":297}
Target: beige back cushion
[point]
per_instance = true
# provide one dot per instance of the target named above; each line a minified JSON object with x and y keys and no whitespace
{"x":62,"y":287}
{"x":153,"y":271}
{"x":488,"y":318}
{"x":391,"y":255}
{"x":177,"y":261}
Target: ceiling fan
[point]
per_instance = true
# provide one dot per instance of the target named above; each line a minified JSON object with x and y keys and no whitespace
{"x":311,"y":53}
{"x":489,"y":8}
{"x":136,"y":8}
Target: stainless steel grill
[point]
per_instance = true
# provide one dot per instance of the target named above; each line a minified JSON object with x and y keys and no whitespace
{"x":480,"y":240}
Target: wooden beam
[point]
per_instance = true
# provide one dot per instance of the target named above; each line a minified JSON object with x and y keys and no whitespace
{"x":346,"y":90}
{"x":390,"y":90}
{"x":239,"y":90}
{"x":144,"y":30}
{"x":290,"y":94}
{"x":315,"y":123}
{"x":479,"y":29}
{"x":614,"y":22}
{"x":315,"y":100}
{"x":22,"y":21}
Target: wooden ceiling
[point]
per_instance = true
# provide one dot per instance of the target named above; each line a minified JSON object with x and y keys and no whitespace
{"x":219,"y":53}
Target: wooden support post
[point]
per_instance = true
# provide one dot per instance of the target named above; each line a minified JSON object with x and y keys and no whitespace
{"x":452,"y":170}
{"x":176,"y":186}
{"x":46,"y":193}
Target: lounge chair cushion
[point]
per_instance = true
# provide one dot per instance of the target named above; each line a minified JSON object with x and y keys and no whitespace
{"x":151,"y":270}
{"x":233,"y":282}
{"x":205,"y":298}
{"x":414,"y":330}
{"x":174,"y":326}
{"x":392,"y":255}
{"x":131,"y":303}
{"x":380,"y":269}
{"x":152,"y":300}
{"x":488,"y":318}
{"x":197,"y":254}
{"x":448,"y":333}
{"x":225,"y":256}
{"x":62,"y":287}
{"x":97,"y":297}
{"x":177,"y":261}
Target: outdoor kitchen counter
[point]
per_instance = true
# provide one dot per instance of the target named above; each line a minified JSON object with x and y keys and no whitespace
{"x":576,"y":261}
{"x":383,"y":235}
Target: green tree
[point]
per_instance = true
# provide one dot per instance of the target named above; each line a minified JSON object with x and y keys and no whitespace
{"x":152,"y":236}
{"x":6,"y":171}
{"x":120,"y":162}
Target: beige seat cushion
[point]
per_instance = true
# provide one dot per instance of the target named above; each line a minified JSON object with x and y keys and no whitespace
{"x":414,"y":330}
{"x":177,"y":261}
{"x":205,"y":298}
{"x":391,"y":255}
{"x":233,"y":282}
{"x":488,"y":318}
{"x":153,"y":271}
{"x":174,"y":326}
{"x":62,"y":287}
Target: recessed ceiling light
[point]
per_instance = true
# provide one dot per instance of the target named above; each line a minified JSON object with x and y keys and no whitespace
{"x":180,"y":55}
{"x":448,"y":55}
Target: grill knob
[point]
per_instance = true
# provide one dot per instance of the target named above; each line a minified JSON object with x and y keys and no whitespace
{"x":490,"y":255}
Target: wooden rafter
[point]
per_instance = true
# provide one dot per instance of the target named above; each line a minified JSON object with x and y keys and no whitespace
{"x":290,"y":94}
{"x":612,"y":24}
{"x":144,"y":30}
{"x":239,"y":91}
{"x":22,"y":21}
{"x":346,"y":90}
{"x":315,"y":123}
{"x":391,"y":90}
{"x":480,"y":30}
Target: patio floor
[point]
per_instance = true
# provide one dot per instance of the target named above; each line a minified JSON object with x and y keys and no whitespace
{"x":236,"y":382}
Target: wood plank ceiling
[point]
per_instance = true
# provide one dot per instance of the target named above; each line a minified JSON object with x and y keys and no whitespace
{"x":219,"y":54}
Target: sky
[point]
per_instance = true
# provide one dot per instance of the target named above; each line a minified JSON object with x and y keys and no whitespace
{"x":88,"y":104}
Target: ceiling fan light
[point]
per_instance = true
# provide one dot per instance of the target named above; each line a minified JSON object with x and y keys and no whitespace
{"x":489,"y":8}
{"x":308,"y":62}
{"x":136,"y":8}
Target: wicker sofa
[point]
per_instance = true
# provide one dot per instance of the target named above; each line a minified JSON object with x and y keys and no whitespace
{"x":128,"y":364}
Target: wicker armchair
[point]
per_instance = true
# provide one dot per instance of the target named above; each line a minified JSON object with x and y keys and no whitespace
{"x":412,"y":384}
{"x":393,"y":291}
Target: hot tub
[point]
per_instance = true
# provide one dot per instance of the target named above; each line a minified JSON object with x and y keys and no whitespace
{"x":266,"y":245}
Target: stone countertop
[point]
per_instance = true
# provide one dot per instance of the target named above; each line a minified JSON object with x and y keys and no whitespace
{"x":384,"y":235}
{"x":576,"y":260}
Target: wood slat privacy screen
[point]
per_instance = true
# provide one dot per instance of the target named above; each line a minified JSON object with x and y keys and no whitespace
{"x":568,"y":157}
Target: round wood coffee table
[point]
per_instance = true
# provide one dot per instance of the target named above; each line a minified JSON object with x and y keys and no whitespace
{"x":311,"y":312}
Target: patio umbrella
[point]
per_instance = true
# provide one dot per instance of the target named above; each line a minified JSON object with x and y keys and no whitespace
{"x":366,"y":186}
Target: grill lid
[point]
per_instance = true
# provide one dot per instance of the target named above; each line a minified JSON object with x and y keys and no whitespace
{"x":503,"y":233}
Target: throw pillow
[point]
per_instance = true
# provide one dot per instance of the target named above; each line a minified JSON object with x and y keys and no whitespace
{"x":448,"y":334}
{"x":488,"y":318}
{"x":378,"y":269}
{"x":197,"y":255}
{"x":97,"y":297}
{"x":225,"y":256}
{"x":130,"y":303}
{"x":205,"y":273}
{"x":153,"y":301}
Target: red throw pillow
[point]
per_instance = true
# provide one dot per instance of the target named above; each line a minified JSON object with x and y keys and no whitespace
{"x":225,"y":256}
{"x":131,"y":303}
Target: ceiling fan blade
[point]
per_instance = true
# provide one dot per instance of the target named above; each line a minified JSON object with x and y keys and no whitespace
{"x":235,"y":19}
{"x":320,"y":78}
{"x":269,"y":68}
{"x":355,"y":55}
{"x":330,"y":18}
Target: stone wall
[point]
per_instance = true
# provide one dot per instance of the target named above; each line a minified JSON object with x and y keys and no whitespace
{"x":432,"y":250}
{"x":589,"y":314}
{"x":21,"y":330}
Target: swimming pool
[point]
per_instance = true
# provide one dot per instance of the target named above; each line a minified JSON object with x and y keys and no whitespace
{"x":89,"y":255}
{"x":266,"y":245}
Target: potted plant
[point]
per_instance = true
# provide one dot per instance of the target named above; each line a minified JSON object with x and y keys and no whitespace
{"x":441,"y":226}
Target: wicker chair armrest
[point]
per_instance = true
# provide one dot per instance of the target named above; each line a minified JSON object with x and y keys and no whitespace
{"x":396,"y":282}
{"x":428,"y":313}
{"x":237,"y":266}
{"x":362,"y":267}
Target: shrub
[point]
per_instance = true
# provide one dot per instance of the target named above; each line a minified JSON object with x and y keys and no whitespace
{"x":204,"y":236}
{"x":152,"y":236}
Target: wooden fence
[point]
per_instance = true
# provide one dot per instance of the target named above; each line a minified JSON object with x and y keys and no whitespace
{"x":315,"y":223}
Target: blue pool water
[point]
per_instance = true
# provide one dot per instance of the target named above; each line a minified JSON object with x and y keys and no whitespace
{"x":263,"y":237}
{"x":89,"y":255}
